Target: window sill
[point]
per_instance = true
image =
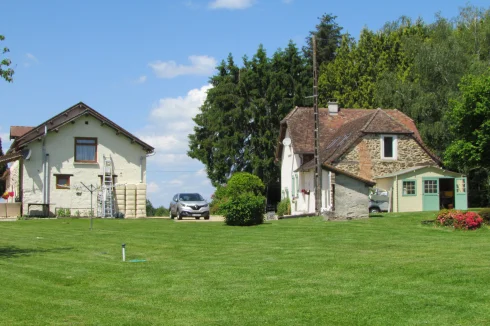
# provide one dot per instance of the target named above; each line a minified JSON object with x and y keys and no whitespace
{"x":387,"y":159}
{"x":85,"y":163}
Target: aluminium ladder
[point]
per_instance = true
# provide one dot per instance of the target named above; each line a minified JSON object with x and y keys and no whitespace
{"x":107,"y":199}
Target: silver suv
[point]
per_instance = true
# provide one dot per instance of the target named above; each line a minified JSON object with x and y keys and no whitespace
{"x":189,"y":204}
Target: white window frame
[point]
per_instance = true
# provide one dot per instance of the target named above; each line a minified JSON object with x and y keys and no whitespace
{"x":395,"y":147}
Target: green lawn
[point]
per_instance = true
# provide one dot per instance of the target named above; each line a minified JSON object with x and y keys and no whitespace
{"x":386,"y":270}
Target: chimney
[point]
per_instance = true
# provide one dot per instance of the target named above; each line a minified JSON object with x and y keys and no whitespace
{"x":333,"y":108}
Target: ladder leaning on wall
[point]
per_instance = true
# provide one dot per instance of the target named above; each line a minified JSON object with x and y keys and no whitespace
{"x":107,"y":199}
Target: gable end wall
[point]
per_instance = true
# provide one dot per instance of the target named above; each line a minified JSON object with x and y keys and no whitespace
{"x":364,"y":157}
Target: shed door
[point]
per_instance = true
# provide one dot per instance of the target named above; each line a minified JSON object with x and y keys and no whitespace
{"x":460,"y":193}
{"x":430,"y":194}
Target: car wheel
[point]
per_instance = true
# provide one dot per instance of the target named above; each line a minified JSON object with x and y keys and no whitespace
{"x":374,"y":210}
{"x":206,"y":217}
{"x":179,"y":214}
{"x":198,"y":217}
{"x":171,"y":215}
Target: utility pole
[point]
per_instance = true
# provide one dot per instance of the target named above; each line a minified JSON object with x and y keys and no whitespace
{"x":318,"y":172}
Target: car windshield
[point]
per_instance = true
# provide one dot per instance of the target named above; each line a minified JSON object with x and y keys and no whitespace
{"x":190,"y":197}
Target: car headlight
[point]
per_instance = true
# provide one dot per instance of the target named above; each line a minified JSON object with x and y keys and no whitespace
{"x":183,"y":205}
{"x":205,"y":205}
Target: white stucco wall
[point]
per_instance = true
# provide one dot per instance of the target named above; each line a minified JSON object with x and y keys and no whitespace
{"x":129,"y":161}
{"x":12,"y":182}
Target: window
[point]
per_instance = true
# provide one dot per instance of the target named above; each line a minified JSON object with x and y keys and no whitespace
{"x":460,"y":186}
{"x":297,"y":185}
{"x":86,"y":150}
{"x":409,"y":188}
{"x":430,"y":186}
{"x":389,"y":147}
{"x":293,"y":186}
{"x":63,"y":181}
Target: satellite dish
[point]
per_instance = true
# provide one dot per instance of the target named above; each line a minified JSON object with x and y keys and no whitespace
{"x":26,"y":154}
{"x":286,"y":141}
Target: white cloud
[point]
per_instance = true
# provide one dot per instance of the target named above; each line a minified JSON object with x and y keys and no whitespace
{"x":140,"y":79}
{"x":192,"y":5}
{"x":170,"y":123}
{"x":5,"y":138}
{"x":182,"y":108}
{"x":153,"y":187}
{"x":200,"y":65}
{"x":231,"y":4}
{"x":30,"y":59}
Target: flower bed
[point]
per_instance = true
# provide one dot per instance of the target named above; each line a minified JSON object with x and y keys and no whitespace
{"x":459,"y":220}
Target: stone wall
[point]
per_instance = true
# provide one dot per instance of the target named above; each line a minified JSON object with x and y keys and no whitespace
{"x":351,"y":199}
{"x":364,"y":157}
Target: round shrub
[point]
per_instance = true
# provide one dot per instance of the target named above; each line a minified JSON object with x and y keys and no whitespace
{"x":284,"y":207}
{"x":244,"y":210}
{"x":243,"y":182}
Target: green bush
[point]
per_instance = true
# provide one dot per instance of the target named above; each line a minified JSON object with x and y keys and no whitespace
{"x":240,"y":183}
{"x":485,"y":215}
{"x":63,"y":212}
{"x":284,"y":207}
{"x":243,"y":182}
{"x":244,"y":210}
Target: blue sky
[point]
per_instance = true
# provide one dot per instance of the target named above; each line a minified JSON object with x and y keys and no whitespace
{"x":146,"y":64}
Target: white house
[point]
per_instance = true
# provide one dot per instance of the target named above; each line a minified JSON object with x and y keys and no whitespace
{"x":80,"y":162}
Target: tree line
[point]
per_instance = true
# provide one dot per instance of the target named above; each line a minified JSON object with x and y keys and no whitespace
{"x":436,"y":73}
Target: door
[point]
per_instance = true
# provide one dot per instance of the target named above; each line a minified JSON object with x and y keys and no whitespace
{"x":430,"y":194}
{"x":460,"y":193}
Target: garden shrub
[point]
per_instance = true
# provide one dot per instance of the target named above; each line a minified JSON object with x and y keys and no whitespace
{"x":244,"y":210}
{"x":445,"y":217}
{"x":239,"y":184}
{"x":485,"y":215}
{"x":241,"y":200}
{"x":284,"y":207}
{"x":243,"y":182}
{"x":459,"y":219}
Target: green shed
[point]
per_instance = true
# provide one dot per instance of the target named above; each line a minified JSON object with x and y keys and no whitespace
{"x":425,"y":188}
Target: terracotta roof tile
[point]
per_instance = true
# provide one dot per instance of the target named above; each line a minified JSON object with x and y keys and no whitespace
{"x":17,"y":131}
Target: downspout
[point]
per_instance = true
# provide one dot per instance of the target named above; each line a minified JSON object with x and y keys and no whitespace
{"x":396,"y":192}
{"x":45,"y":168}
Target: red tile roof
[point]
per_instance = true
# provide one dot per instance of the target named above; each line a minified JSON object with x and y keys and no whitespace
{"x":340,"y":131}
{"x":17,"y":131}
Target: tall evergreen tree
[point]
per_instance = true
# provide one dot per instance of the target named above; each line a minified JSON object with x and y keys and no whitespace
{"x":329,"y":35}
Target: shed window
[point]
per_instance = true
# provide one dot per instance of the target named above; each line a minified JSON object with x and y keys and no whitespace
{"x":430,"y":186}
{"x":86,"y":150}
{"x":461,"y":186}
{"x":408,"y":188}
{"x":62,"y":181}
{"x":389,"y":147}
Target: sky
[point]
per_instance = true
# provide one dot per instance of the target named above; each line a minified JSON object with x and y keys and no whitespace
{"x":146,"y":64}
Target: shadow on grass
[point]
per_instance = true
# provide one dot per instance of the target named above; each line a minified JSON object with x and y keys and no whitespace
{"x":12,"y":252}
{"x":375,"y":215}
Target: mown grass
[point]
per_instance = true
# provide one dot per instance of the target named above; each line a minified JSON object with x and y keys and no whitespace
{"x":386,"y":270}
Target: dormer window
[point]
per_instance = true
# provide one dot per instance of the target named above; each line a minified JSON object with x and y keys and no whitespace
{"x":389,"y":147}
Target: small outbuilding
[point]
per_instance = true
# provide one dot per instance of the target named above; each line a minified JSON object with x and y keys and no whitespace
{"x":425,"y":188}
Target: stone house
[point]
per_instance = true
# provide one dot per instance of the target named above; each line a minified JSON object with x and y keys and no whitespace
{"x":78,"y":161}
{"x":356,"y":146}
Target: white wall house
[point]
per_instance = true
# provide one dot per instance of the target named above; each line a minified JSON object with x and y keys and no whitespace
{"x":355,"y":146}
{"x":62,"y":157}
